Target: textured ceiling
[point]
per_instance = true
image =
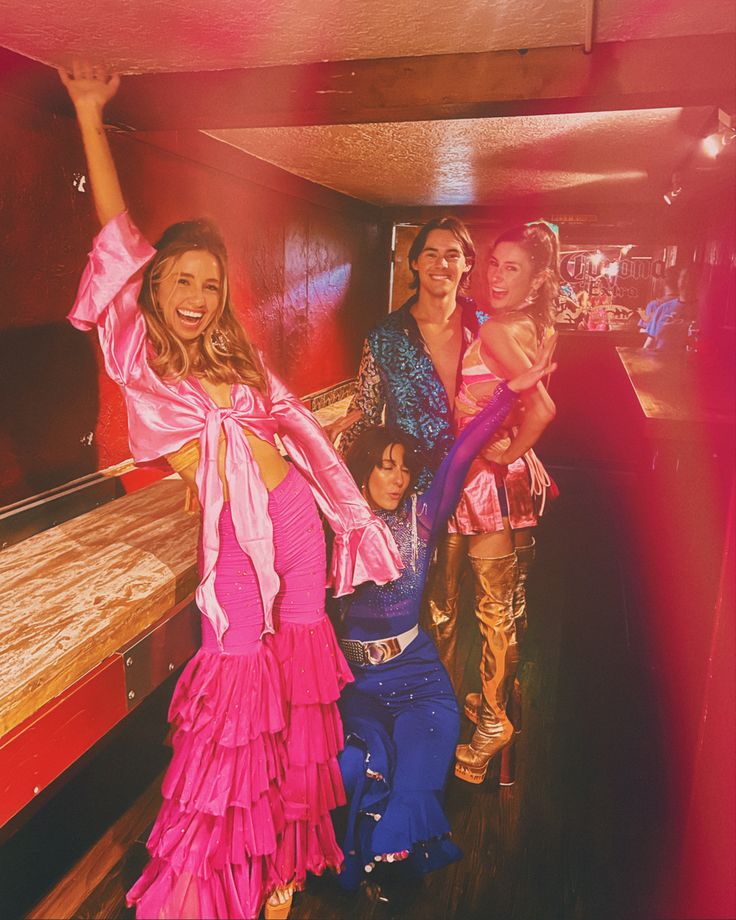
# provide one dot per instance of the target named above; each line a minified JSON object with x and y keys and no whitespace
{"x":601,"y":156}
{"x":138,"y":36}
{"x":595,"y":156}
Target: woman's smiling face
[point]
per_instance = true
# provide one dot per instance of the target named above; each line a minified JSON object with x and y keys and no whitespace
{"x":190,"y":294}
{"x":510,"y":276}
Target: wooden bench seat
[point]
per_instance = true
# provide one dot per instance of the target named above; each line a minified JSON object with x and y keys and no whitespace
{"x":72,"y":600}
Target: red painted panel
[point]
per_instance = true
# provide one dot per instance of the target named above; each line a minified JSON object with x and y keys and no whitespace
{"x":38,"y":750}
{"x":139,"y":478}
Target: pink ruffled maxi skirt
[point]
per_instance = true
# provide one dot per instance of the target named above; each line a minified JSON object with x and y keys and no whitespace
{"x":254,"y":774}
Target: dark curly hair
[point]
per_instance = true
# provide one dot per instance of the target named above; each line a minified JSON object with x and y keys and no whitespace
{"x":366,"y":452}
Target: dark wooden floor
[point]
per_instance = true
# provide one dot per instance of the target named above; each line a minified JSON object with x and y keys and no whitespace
{"x":576,"y":837}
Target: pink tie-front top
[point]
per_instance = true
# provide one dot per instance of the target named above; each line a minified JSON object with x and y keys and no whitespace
{"x":163,"y":416}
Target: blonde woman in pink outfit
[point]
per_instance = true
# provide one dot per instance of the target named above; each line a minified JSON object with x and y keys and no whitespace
{"x":254,"y":775}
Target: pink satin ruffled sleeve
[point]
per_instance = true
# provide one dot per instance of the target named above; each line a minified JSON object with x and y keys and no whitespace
{"x":364,"y":548}
{"x":108,"y":295}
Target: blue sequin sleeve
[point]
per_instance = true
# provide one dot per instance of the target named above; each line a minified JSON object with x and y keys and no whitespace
{"x":439,"y":501}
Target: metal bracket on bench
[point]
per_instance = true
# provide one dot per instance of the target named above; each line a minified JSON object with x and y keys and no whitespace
{"x":154,"y":654}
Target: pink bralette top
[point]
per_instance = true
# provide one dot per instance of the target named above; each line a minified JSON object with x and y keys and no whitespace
{"x":475,"y":373}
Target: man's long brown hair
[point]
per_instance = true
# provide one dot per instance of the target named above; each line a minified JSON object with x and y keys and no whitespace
{"x":458,"y":229}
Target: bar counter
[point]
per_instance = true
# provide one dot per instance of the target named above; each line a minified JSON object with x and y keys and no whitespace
{"x":679,"y":397}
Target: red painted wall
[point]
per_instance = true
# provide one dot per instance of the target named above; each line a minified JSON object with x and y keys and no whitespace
{"x":309,"y":280}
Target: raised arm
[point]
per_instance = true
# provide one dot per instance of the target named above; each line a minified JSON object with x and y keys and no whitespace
{"x":500,"y":349}
{"x":90,"y":87}
{"x":108,"y":291}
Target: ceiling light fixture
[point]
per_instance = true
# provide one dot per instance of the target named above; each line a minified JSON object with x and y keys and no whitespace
{"x":724,"y":134}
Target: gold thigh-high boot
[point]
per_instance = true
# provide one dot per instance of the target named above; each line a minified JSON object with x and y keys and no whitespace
{"x":525,"y":557}
{"x":440,"y":609}
{"x":525,"y":560}
{"x":495,"y":580}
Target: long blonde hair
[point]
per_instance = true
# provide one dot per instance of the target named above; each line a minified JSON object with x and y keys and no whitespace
{"x":225,"y":354}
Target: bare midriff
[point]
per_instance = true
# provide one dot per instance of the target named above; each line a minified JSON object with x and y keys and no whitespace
{"x":271,"y":465}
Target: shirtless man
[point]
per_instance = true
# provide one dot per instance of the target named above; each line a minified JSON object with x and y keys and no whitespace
{"x":408,"y":378}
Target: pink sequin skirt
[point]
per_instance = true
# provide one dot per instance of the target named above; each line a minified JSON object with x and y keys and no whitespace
{"x":479,"y":509}
{"x":254,"y":774}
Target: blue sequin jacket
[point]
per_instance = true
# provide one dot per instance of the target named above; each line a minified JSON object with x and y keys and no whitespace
{"x":397,"y":376}
{"x":378,"y":611}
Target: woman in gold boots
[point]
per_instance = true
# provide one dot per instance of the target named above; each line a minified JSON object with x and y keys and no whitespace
{"x":506,"y":488}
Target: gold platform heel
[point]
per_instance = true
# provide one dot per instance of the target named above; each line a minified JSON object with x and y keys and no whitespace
{"x":471,"y":760}
{"x":281,"y":910}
